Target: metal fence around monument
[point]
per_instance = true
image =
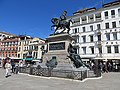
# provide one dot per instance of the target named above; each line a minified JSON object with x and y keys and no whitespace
{"x":71,"y":74}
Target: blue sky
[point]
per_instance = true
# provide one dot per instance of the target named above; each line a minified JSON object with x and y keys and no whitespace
{"x":33,"y":17}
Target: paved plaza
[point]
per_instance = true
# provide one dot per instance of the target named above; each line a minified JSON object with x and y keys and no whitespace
{"x":109,"y":81}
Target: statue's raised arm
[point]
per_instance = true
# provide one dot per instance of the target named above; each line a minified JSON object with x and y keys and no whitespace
{"x":63,"y":16}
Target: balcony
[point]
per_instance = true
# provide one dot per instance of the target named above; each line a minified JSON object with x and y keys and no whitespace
{"x":98,"y":16}
{"x":98,"y":43}
{"x":113,"y":16}
{"x":84,"y":22}
{"x":106,"y":17}
{"x":76,"y":24}
{"x":98,"y":19}
{"x":91,"y":20}
{"x":99,"y":55}
{"x":97,"y":32}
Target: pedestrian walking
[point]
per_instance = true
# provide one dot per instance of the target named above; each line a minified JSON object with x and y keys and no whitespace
{"x":109,"y":67}
{"x":7,"y":68}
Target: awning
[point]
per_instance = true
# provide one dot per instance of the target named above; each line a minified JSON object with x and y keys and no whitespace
{"x":106,"y":58}
{"x":99,"y":58}
{"x":36,"y":60}
{"x":29,"y":59}
{"x":14,"y":57}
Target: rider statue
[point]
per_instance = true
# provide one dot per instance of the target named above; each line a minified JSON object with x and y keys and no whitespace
{"x":63,"y":18}
{"x":61,"y":23}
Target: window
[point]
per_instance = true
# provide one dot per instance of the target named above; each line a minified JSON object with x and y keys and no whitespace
{"x":91,"y":27}
{"x":98,"y":27}
{"x":84,"y":19}
{"x":20,"y":43}
{"x":12,"y":55}
{"x":119,"y":12}
{"x":115,"y":36}
{"x":108,"y":36}
{"x":84,"y":50}
{"x":92,"y":50}
{"x":19,"y":48}
{"x":25,"y":48}
{"x":18,"y":55}
{"x":91,"y":38}
{"x":24,"y":55}
{"x":100,"y":49}
{"x":116,"y":49}
{"x":36,"y":48}
{"x":83,"y":29}
{"x":75,"y":39}
{"x":108,"y":49}
{"x":113,"y":13}
{"x":99,"y":37}
{"x":113,"y":24}
{"x":75,"y":30}
{"x":84,"y":38}
{"x":107,"y":25}
{"x":16,"y":43}
{"x":2,"y":55}
{"x":7,"y":55}
{"x":106,"y":15}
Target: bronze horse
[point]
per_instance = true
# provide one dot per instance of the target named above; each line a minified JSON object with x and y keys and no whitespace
{"x":61,"y":24}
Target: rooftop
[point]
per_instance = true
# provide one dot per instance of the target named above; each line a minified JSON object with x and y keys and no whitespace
{"x":7,"y":33}
{"x":85,"y":10}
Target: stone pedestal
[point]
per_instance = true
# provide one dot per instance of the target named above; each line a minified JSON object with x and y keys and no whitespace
{"x":57,"y":46}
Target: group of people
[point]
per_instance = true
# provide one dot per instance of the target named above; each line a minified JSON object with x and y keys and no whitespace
{"x":104,"y":66}
{"x":11,"y":67}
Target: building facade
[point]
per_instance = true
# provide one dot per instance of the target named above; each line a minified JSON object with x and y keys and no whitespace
{"x":97,"y":32}
{"x":23,"y":45}
{"x":30,"y":47}
{"x":35,"y":48}
{"x":8,"y":47}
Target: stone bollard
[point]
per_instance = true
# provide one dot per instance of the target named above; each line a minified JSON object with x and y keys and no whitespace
{"x":31,"y":70}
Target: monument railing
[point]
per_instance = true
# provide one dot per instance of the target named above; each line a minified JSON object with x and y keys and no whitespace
{"x":71,"y":74}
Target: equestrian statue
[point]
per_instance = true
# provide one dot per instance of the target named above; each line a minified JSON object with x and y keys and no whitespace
{"x":61,"y":23}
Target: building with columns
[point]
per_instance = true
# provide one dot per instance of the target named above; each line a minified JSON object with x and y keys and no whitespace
{"x":97,"y":32}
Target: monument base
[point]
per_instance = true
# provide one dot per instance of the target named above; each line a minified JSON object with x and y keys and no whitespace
{"x":58,"y":47}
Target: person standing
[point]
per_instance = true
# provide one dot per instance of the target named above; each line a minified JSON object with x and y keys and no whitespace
{"x":7,"y":68}
{"x":13,"y":66}
{"x":16,"y":68}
